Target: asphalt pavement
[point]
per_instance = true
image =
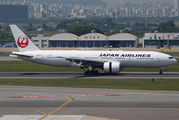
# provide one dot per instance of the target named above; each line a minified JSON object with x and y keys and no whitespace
{"x":32,"y":103}
{"x":49,"y":75}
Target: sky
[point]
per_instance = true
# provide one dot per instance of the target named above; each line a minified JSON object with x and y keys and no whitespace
{"x":134,"y":1}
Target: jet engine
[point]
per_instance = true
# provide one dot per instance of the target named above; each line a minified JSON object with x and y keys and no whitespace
{"x":112,"y":67}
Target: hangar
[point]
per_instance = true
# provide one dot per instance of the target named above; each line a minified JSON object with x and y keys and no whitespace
{"x":63,"y":40}
{"x":93,"y":40}
{"x":161,"y":39}
{"x":123,"y":40}
{"x":88,"y":40}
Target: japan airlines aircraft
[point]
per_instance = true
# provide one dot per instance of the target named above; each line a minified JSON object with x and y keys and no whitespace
{"x":109,"y":61}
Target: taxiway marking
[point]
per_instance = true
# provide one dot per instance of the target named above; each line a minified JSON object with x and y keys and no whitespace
{"x":70,"y":100}
{"x":4,"y":94}
{"x":87,"y":95}
{"x":46,"y":115}
{"x":24,"y":109}
{"x":142,"y":92}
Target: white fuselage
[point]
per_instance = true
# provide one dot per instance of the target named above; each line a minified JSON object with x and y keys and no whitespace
{"x":139,"y":59}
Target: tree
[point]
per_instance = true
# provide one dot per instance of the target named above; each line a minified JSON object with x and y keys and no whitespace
{"x":137,"y":24}
{"x":44,"y":26}
{"x":30,"y":27}
{"x":5,"y":36}
{"x":82,"y":29}
{"x":127,"y":24}
{"x":168,"y":26}
{"x":170,"y":23}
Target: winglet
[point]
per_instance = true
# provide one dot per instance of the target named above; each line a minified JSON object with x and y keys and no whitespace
{"x":22,"y":41}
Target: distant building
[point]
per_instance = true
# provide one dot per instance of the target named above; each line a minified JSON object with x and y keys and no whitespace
{"x":40,"y":41}
{"x":176,"y":7}
{"x":7,"y":44}
{"x":123,"y":40}
{"x":63,"y":40}
{"x":93,"y":40}
{"x":13,"y":11}
{"x":89,"y":40}
{"x":161,"y":39}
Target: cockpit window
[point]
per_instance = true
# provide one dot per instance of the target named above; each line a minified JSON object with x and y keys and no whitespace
{"x":170,"y":57}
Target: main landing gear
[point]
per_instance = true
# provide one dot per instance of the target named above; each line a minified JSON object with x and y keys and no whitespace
{"x":161,"y":70}
{"x":91,"y":71}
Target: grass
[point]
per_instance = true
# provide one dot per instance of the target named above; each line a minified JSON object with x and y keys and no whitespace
{"x":170,"y":53}
{"x":25,"y":66}
{"x":139,"y":84}
{"x":5,"y":53}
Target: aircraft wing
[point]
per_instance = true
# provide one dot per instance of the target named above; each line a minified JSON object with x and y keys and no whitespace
{"x":84,"y":61}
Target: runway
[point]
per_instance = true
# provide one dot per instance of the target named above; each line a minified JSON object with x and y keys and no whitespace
{"x":54,"y":103}
{"x":49,"y":75}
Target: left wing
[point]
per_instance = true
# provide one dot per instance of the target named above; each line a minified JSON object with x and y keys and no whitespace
{"x":83,"y":61}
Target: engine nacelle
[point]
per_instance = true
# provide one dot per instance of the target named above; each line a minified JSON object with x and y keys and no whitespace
{"x":112,"y":67}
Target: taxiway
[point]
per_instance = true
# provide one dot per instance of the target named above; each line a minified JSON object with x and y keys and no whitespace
{"x":56,"y":103}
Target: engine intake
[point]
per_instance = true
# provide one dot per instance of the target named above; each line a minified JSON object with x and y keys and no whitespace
{"x":112,"y":67}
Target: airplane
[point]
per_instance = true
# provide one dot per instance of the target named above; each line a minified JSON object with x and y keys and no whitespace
{"x":109,"y":61}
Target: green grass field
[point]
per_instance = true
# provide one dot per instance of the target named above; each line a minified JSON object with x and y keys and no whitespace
{"x":139,"y":84}
{"x":25,"y":66}
{"x":171,"y":53}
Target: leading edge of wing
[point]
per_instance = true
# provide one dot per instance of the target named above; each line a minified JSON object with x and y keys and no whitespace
{"x":82,"y":60}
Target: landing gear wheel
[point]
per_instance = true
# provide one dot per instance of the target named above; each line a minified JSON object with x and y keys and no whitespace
{"x":96,"y":72}
{"x":91,"y":72}
{"x":161,"y":70}
{"x":86,"y":73}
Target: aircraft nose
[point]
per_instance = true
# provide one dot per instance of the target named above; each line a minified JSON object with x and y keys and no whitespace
{"x":175,"y":61}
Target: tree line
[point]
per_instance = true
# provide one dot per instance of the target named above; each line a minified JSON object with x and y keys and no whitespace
{"x":82,"y":26}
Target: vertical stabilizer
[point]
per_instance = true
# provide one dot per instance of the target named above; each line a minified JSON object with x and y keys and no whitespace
{"x":22,"y":41}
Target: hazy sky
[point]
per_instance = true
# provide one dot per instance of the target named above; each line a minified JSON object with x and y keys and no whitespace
{"x":134,"y":1}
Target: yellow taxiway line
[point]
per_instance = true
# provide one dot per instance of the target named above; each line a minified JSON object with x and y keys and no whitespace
{"x":70,"y":100}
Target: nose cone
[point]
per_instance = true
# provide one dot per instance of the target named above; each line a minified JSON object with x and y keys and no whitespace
{"x":174,"y":61}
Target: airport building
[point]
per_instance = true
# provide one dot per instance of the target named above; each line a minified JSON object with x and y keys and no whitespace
{"x":88,"y":40}
{"x":14,"y":12}
{"x":63,"y":40}
{"x":8,"y":44}
{"x":93,"y":40}
{"x":123,"y":40}
{"x":40,"y":41}
{"x":161,"y":39}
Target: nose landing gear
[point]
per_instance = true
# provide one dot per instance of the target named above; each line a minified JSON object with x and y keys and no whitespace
{"x":161,"y":70}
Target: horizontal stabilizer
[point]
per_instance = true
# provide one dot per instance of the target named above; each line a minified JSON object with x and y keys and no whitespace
{"x":18,"y":54}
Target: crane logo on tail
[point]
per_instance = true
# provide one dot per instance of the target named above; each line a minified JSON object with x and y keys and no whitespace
{"x":22,"y":41}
